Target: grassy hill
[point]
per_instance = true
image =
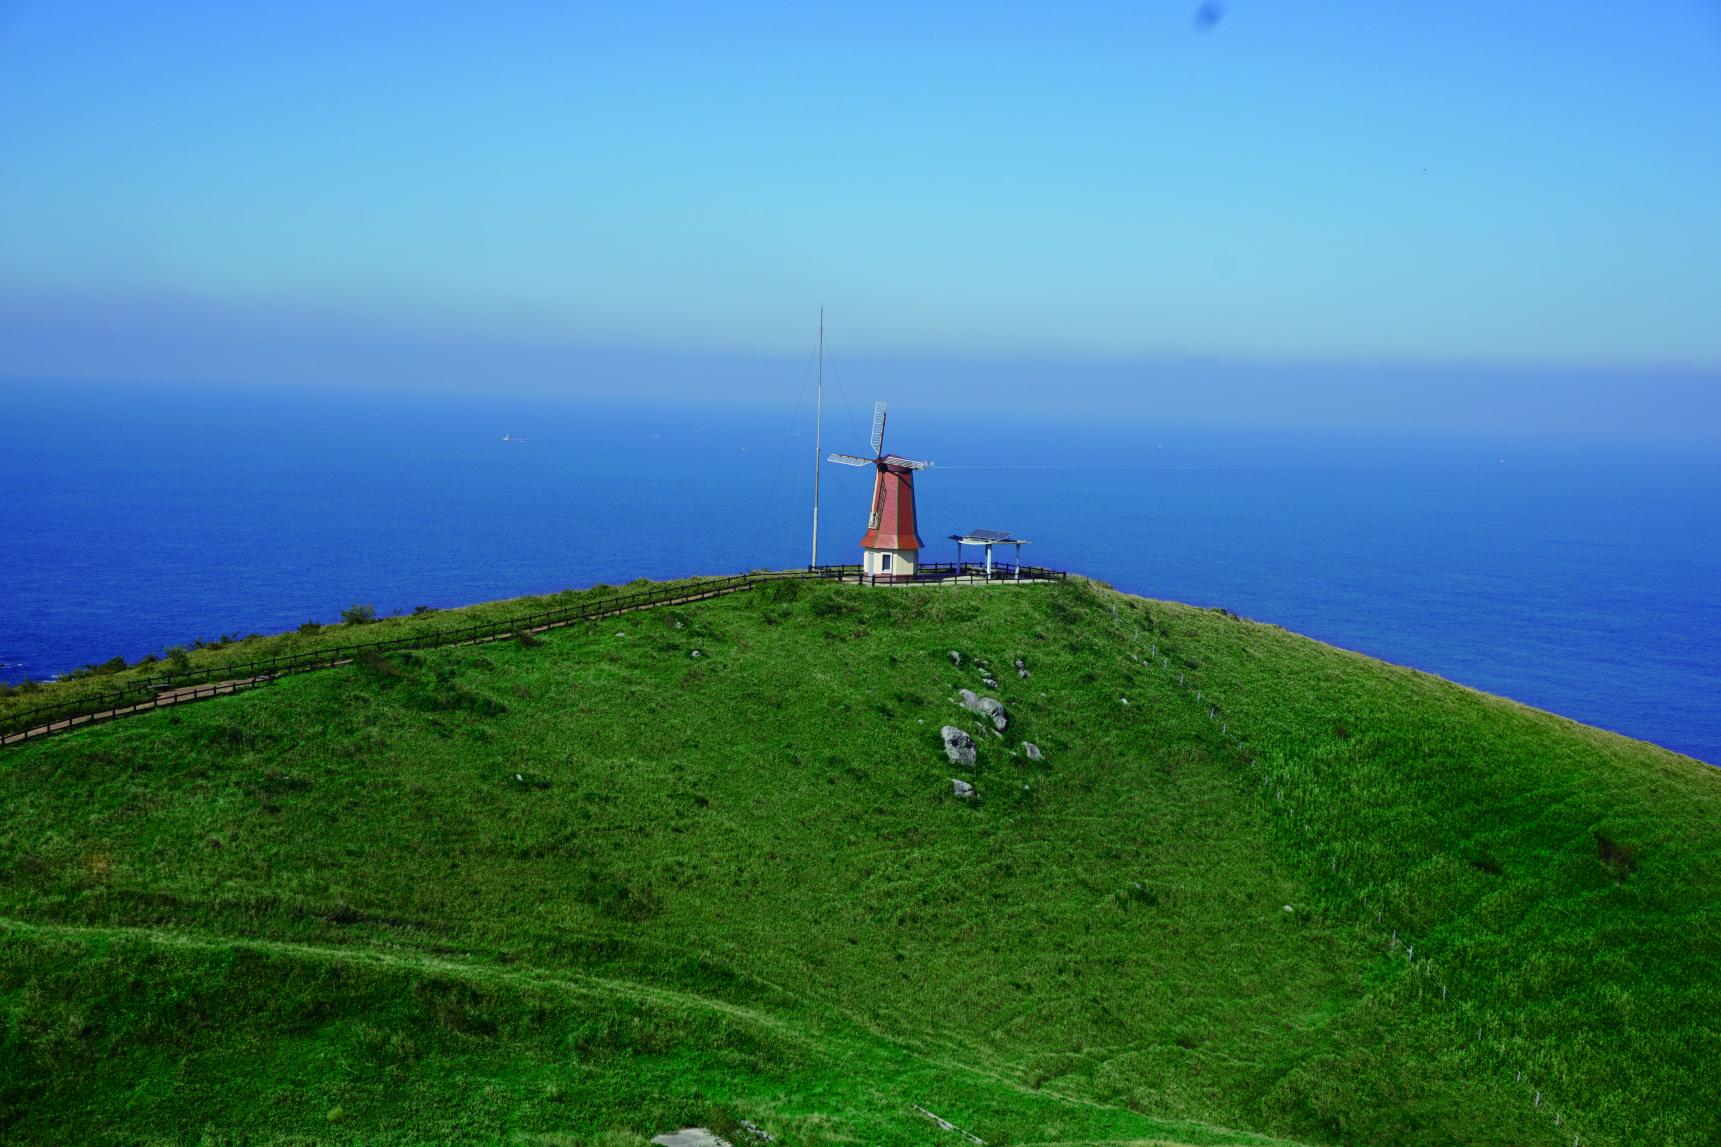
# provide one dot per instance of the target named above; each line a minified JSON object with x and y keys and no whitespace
{"x":589,"y":887}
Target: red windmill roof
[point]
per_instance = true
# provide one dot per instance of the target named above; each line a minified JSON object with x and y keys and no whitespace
{"x":891,"y":526}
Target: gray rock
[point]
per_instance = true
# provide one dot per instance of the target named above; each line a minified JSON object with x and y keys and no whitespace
{"x":958,"y":746}
{"x":955,"y":657}
{"x":988,"y":682}
{"x":988,"y":707}
{"x":1022,"y":670}
{"x":962,"y":788}
{"x":1032,"y":751}
{"x":755,"y":1130}
{"x":697,"y":655}
{"x":690,"y":1137}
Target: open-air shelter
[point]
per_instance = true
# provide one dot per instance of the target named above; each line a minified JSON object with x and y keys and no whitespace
{"x":986,"y":539}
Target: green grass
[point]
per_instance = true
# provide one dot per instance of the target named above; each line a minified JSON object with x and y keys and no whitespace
{"x":590,"y":888}
{"x":205,"y":660}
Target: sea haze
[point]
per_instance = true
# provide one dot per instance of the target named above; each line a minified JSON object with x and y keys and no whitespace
{"x":1575,"y":577}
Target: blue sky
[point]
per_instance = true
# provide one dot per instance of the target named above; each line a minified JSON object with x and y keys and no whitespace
{"x":212,"y":190}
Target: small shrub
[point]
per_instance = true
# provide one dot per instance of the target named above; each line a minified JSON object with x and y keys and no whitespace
{"x":725,"y":1122}
{"x":309,"y":627}
{"x":451,"y":696}
{"x":831,"y":605}
{"x":1138,"y":893}
{"x":620,"y":900}
{"x":527,"y":639}
{"x":1485,"y":862}
{"x":358,"y":614}
{"x":1616,"y":855}
{"x":178,"y":659}
{"x":421,"y":610}
{"x":375,"y":665}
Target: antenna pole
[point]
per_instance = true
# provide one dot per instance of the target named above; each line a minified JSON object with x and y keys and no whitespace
{"x":818,"y":428}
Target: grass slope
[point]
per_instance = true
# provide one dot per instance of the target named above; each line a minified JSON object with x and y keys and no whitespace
{"x":589,"y":888}
{"x":82,"y":689}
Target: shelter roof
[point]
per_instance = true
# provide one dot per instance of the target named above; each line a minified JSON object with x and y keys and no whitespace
{"x":987,"y":538}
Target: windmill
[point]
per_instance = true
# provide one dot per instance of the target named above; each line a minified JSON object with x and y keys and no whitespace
{"x":891,"y":547}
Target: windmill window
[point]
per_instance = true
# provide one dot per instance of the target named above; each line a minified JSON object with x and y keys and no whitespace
{"x":884,"y":562}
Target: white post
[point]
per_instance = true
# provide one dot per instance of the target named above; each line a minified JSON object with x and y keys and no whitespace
{"x":988,"y":561}
{"x":818,"y":428}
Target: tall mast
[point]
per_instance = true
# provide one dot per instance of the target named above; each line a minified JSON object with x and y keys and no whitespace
{"x":818,"y":428}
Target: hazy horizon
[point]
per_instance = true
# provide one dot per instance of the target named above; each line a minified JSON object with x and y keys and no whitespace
{"x":1469,"y":217}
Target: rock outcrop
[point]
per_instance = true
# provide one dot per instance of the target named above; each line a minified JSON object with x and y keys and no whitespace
{"x":988,"y":707}
{"x":958,"y":746}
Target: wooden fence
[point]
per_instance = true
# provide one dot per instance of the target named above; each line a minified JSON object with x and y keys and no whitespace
{"x":210,"y":681}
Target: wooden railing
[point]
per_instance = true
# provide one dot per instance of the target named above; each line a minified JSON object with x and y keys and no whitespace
{"x":208,"y":681}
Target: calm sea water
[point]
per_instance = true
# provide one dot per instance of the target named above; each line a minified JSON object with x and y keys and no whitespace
{"x":1579,"y":578}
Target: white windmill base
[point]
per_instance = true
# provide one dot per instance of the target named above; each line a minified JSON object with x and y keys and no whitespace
{"x":889,"y":565}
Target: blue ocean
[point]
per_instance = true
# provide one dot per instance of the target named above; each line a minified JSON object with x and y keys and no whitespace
{"x":1574,"y":576}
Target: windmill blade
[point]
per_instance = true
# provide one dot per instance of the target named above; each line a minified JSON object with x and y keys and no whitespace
{"x":905,"y":463}
{"x":849,"y":460}
{"x":878,"y":427}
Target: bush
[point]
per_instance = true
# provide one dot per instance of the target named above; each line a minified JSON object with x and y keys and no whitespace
{"x":421,"y":610}
{"x":309,"y":627}
{"x":177,"y":659}
{"x":829,"y":605}
{"x":99,"y":668}
{"x":358,"y":614}
{"x":376,"y":665}
{"x":1618,"y":856}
